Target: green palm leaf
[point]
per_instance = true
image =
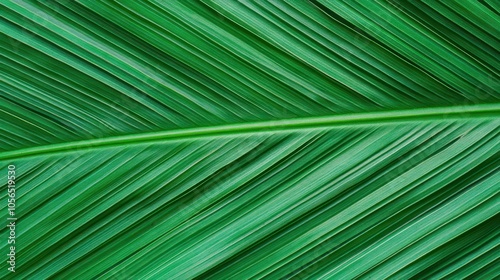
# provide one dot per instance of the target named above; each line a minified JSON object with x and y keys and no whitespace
{"x":243,"y":140}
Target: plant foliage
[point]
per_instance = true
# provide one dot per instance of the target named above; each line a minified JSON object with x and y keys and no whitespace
{"x":252,"y":139}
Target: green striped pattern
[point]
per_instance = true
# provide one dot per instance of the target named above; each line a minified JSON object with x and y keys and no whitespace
{"x":252,"y":139}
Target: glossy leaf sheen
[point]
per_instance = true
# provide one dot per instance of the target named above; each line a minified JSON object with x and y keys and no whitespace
{"x":252,"y":139}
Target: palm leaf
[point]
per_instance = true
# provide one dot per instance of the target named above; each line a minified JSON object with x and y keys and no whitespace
{"x":267,"y":139}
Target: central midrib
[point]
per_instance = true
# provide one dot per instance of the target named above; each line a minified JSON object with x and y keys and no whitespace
{"x":378,"y":118}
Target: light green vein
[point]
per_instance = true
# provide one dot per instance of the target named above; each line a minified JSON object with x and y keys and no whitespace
{"x":482,"y":111}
